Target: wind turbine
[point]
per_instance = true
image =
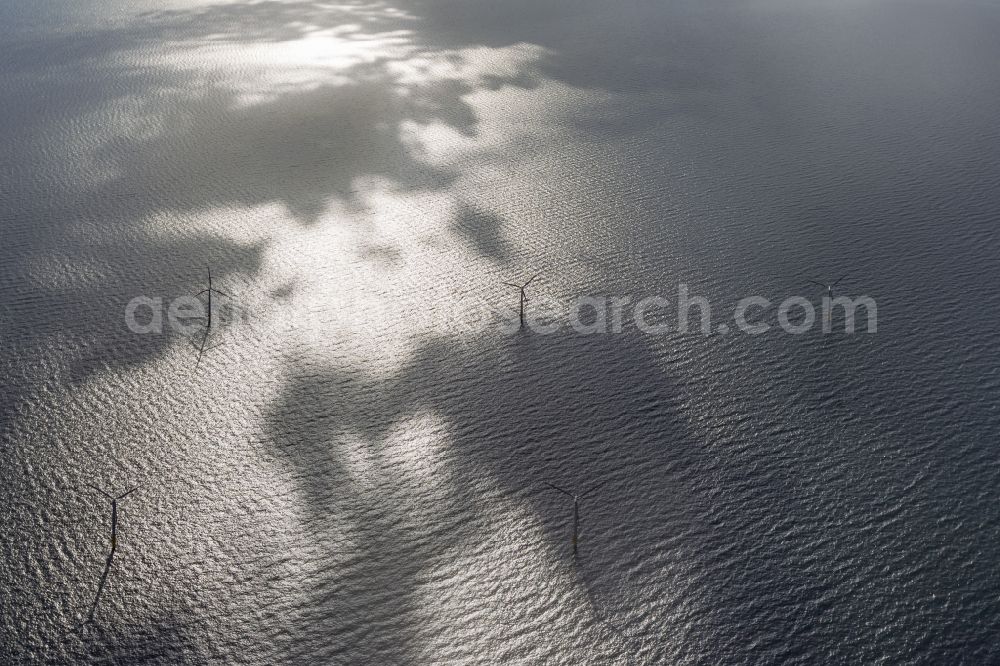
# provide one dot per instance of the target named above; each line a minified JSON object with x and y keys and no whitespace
{"x":829,"y":287}
{"x":208,"y":326}
{"x":576,"y":511}
{"x":114,"y":544}
{"x":524,"y":297}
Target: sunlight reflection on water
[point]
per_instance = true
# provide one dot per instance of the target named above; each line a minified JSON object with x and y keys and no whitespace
{"x":358,"y":472}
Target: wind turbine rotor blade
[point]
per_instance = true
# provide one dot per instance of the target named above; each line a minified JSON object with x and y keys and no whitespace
{"x":590,"y":490}
{"x":566,"y":492}
{"x":100,"y":491}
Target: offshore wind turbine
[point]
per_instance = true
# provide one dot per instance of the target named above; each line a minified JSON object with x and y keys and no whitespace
{"x":524,"y":296}
{"x":208,"y":325}
{"x":829,"y":287}
{"x":576,"y":511}
{"x":114,"y":544}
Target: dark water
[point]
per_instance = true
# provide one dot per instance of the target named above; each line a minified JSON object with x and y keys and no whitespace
{"x":358,"y":473}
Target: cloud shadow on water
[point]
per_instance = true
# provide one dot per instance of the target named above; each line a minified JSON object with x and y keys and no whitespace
{"x":518,"y":411}
{"x":515,"y":412}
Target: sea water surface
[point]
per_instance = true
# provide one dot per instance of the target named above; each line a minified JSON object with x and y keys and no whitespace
{"x":357,"y":473}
